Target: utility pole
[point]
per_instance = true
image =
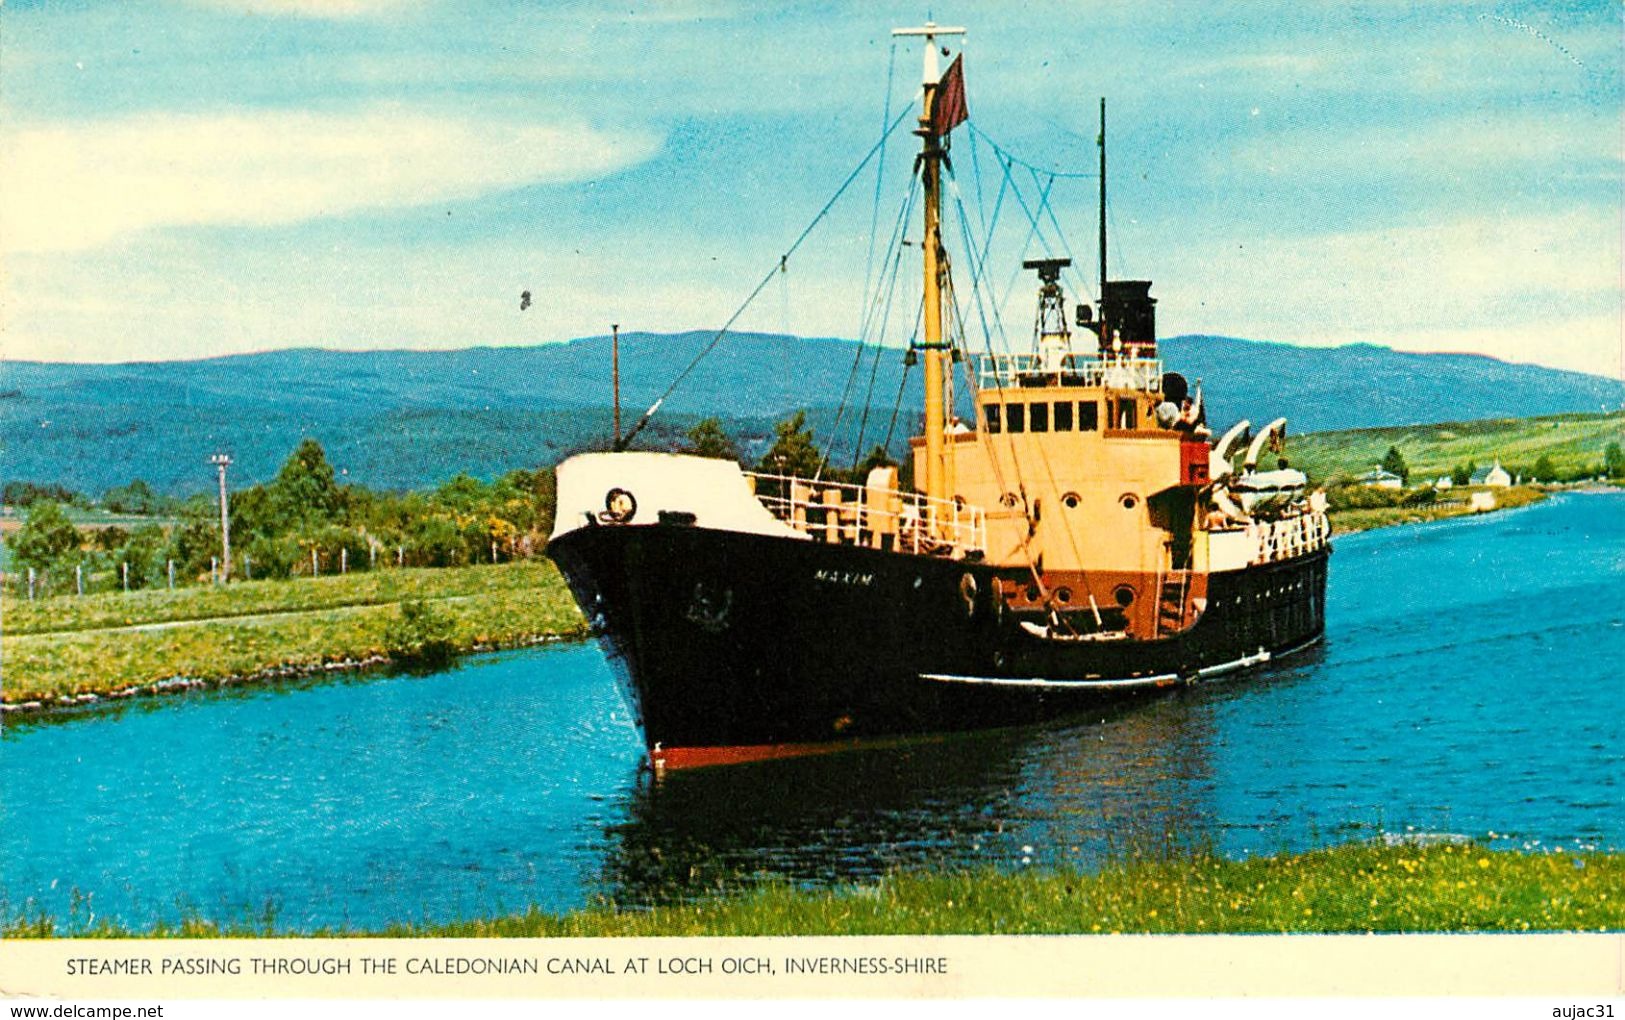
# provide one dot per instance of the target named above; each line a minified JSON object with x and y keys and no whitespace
{"x":222,"y":461}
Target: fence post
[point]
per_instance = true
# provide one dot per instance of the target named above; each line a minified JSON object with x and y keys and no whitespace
{"x":315,"y":568}
{"x":79,"y":577}
{"x":493,"y":550}
{"x":400,"y":556}
{"x":372,"y":555}
{"x":344,"y":560}
{"x":214,"y":570}
{"x":125,"y":569}
{"x":30,"y":584}
{"x":248,"y":567}
{"x":171,"y":575}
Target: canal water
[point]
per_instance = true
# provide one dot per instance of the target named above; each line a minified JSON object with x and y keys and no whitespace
{"x":1470,"y":685}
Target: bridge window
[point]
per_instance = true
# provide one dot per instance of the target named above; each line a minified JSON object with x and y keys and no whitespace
{"x":1063,"y":416}
{"x":991,"y":418}
{"x":1127,"y":413}
{"x":1038,"y":417}
{"x":1088,"y":416}
{"x":1015,"y":417}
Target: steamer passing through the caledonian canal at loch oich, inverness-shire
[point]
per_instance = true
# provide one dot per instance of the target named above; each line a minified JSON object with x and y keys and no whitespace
{"x":1089,"y":540}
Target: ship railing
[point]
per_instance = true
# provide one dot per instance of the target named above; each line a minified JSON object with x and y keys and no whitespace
{"x":1290,"y":536}
{"x":873,"y":516}
{"x":1122,"y":373}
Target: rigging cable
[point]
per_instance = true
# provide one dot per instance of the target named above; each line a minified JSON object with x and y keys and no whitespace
{"x":1036,"y":230}
{"x":880,"y":176}
{"x":863,"y":336}
{"x":874,"y":373}
{"x":885,"y":319}
{"x":1066,"y":246}
{"x":897,"y":406}
{"x":1013,"y":158}
{"x":779,"y":265}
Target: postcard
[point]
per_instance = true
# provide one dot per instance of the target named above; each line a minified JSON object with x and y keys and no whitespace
{"x":706,"y":503}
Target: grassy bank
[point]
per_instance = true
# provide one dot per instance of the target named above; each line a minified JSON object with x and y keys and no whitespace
{"x":1573,"y":443}
{"x":113,"y":644}
{"x":1357,"y":888}
{"x":1366,"y":518}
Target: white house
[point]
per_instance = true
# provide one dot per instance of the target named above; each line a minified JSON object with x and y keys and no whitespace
{"x":1443,"y":482}
{"x":1496,"y":477}
{"x":1377,"y":478}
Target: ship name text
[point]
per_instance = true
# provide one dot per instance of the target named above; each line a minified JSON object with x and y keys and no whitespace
{"x":855,"y":578}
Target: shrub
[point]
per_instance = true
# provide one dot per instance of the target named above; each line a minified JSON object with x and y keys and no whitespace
{"x":420,"y":637}
{"x":273,"y":557}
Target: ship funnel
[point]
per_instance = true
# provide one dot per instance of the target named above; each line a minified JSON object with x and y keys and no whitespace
{"x":1129,"y":313}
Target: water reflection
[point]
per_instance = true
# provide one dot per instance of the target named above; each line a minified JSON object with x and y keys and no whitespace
{"x":1137,"y":782}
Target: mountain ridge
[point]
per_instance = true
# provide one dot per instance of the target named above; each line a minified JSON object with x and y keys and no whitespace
{"x":404,"y":418}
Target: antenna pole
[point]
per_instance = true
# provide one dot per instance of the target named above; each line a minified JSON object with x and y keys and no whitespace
{"x":615,"y":376}
{"x":1101,"y":141}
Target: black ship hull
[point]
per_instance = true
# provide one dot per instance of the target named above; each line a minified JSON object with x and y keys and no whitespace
{"x":726,"y":639}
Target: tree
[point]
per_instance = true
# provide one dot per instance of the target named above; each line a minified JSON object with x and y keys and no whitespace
{"x":135,"y":498}
{"x":793,"y":451}
{"x":877,"y":457}
{"x":24,"y":494}
{"x":254,"y":514}
{"x":143,"y":551}
{"x":45,"y":538}
{"x":1543,"y":470}
{"x":305,"y":492}
{"x":1613,"y":461}
{"x":1393,"y":462}
{"x":707,"y":439}
{"x":1461,"y":474}
{"x":273,"y":556}
{"x":195,"y":542}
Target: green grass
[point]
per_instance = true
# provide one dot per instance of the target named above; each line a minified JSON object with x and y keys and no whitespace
{"x":1454,"y":505}
{"x":266,"y":628}
{"x":1355,"y":888}
{"x":251,"y":598}
{"x":1574,"y":442}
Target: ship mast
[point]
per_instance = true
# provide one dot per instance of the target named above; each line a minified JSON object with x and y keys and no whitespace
{"x":935,"y":348}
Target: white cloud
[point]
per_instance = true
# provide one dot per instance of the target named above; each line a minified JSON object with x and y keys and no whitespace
{"x":73,"y":187}
{"x":310,"y":8}
{"x":1568,"y":145}
{"x":1522,"y":288}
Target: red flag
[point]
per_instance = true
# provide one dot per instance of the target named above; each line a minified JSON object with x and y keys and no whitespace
{"x":948,"y":107}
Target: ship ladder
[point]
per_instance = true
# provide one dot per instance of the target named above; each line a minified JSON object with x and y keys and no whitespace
{"x":1171,"y":601}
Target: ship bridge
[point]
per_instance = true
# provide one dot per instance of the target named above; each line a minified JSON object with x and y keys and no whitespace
{"x":1002,"y":371}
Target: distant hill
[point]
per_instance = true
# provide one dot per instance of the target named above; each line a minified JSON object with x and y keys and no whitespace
{"x":1574,"y":443}
{"x":399,"y":419}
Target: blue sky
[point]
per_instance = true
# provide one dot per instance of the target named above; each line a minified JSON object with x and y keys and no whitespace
{"x":187,"y":179}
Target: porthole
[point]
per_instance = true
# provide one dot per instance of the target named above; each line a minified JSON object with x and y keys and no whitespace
{"x":1129,"y":500}
{"x":1032,"y":594}
{"x":619,"y":506}
{"x":1063,"y":595}
{"x":1124,"y":594}
{"x":1071,"y":500}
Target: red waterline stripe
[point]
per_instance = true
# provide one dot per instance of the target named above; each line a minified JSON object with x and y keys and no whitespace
{"x":669,"y":758}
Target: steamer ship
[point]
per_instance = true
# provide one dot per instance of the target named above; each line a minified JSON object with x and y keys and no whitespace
{"x":1090,"y":540}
